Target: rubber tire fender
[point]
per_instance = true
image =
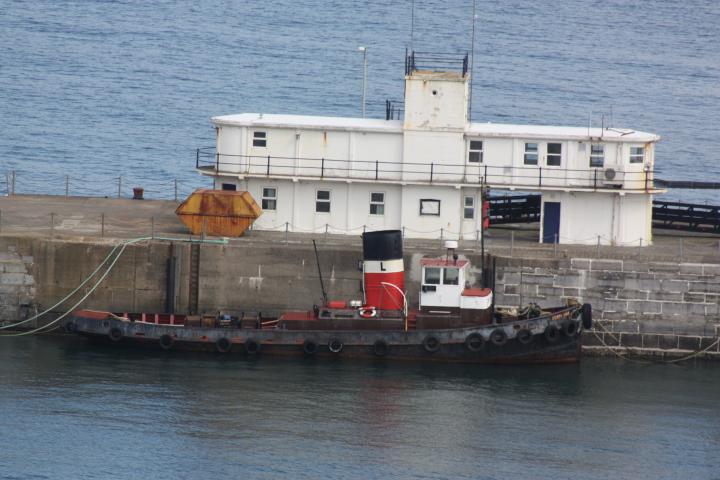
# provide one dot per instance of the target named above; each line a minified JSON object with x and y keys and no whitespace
{"x":524,"y":336}
{"x":587,"y":316}
{"x":474,"y":342}
{"x":252,"y":347}
{"x":552,"y":333}
{"x":335,"y":345}
{"x":166,"y":341}
{"x":570,"y":328}
{"x":498,"y":337}
{"x":115,"y":334}
{"x":223,"y":345}
{"x":431,"y":344}
{"x":310,"y":347}
{"x":380,"y":348}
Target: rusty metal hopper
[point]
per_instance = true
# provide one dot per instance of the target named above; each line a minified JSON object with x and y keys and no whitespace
{"x":218,"y":212}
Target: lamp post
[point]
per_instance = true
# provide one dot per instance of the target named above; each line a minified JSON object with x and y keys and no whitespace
{"x":364,"y":84}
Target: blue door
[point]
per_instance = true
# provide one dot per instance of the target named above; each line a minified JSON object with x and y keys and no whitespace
{"x":551,"y":222}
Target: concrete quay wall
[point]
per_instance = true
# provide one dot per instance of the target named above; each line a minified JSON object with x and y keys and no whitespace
{"x":647,"y":305}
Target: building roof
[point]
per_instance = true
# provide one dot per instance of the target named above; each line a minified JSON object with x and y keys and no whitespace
{"x":310,"y":122}
{"x":498,"y":130}
{"x":560,"y":133}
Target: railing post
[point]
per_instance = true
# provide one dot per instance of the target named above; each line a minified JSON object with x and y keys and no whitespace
{"x":441,"y":233}
{"x":217,"y":162}
{"x":485,"y":180}
{"x":376,"y":169}
{"x":403,"y":236}
{"x":52,"y":223}
{"x":119,"y":186}
{"x":597,"y":252}
{"x":432,"y":167}
{"x":176,"y":189}
{"x":512,"y":242}
{"x":102,"y":225}
{"x":540,"y":178}
{"x":555,"y":245}
{"x":595,"y":179}
{"x":646,"y":180}
{"x":152,"y":227}
{"x":13,"y":182}
{"x":322,"y":167}
{"x":268,"y":166}
{"x":197,"y":158}
{"x":287,"y":224}
{"x":67,"y":186}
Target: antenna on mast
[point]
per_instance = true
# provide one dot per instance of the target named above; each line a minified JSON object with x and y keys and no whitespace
{"x":412,"y":25}
{"x":472,"y":62}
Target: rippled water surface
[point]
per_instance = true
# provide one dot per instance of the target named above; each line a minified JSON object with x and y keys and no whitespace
{"x":71,"y":410}
{"x":100,"y":89}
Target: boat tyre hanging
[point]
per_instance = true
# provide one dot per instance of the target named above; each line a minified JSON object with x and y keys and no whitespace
{"x":368,"y":312}
{"x":474,"y":342}
{"x":252,"y":347}
{"x":166,"y":342}
{"x":570,"y":328}
{"x":552,"y":333}
{"x":310,"y":347}
{"x":431,"y":344}
{"x":498,"y":337}
{"x":524,"y":336}
{"x":115,"y":334}
{"x":587,"y":316}
{"x":380,"y":348}
{"x":223,"y":345}
{"x":335,"y":345}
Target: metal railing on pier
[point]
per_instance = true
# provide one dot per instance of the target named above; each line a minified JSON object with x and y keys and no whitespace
{"x":25,"y":183}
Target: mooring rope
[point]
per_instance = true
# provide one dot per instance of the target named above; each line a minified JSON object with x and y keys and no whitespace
{"x":647,"y":362}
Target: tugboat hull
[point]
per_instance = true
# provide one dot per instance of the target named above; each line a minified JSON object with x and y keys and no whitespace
{"x":547,"y":339}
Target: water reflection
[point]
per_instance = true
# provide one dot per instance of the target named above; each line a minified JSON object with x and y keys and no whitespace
{"x":87,"y":408}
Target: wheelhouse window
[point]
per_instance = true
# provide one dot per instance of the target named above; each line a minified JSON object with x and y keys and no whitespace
{"x":322,"y":201}
{"x":637,"y":154}
{"x":597,"y":155}
{"x":259,"y":139}
{"x":469,"y":208}
{"x":269,"y":198}
{"x":554,"y":154}
{"x":432,"y":276}
{"x":229,"y":186}
{"x":475,"y":154}
{"x":531,"y":154}
{"x":377,"y":203}
{"x":430,"y":207}
{"x":451,"y":276}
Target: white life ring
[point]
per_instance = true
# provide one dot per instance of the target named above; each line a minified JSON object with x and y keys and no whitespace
{"x":367,"y":312}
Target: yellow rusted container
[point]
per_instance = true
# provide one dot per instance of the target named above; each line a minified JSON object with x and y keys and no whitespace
{"x":218,"y":212}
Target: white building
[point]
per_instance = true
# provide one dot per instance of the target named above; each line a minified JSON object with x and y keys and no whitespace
{"x":425,"y":174}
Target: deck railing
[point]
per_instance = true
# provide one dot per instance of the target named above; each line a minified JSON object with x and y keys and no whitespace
{"x":440,"y":173}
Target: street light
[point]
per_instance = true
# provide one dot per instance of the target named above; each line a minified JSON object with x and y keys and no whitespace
{"x":364,"y":85}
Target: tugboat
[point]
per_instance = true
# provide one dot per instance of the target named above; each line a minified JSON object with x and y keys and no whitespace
{"x":454,"y":321}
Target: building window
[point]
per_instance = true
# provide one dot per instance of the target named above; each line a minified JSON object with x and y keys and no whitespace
{"x":269,"y":198}
{"x":554,"y":154}
{"x":597,"y":155}
{"x":229,"y":187}
{"x":322,"y":201}
{"x":260,"y":139}
{"x":476,"y":151}
{"x":377,"y":203}
{"x":469,"y":210}
{"x":451,"y":276}
{"x":637,"y":154}
{"x":531,"y":154}
{"x":432,"y":276}
{"x":430,"y":207}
